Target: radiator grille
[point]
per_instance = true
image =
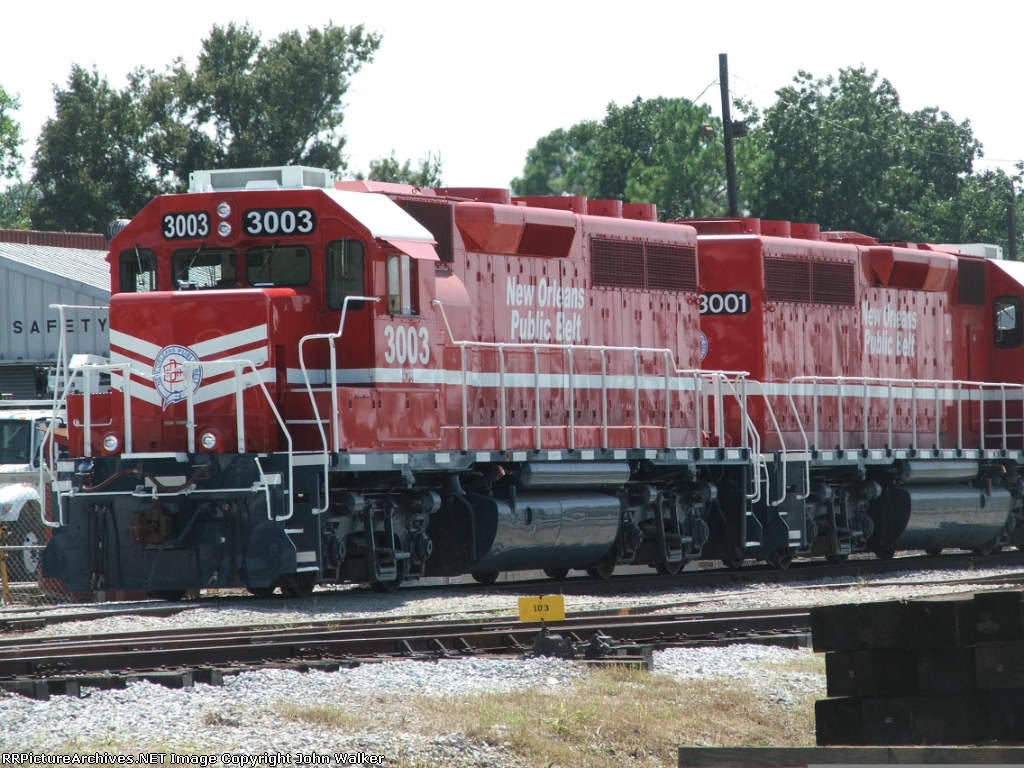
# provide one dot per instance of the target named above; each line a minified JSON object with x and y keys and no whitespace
{"x":650,"y":266}
{"x":787,"y":280}
{"x":832,"y":283}
{"x":616,"y":263}
{"x":671,"y":267}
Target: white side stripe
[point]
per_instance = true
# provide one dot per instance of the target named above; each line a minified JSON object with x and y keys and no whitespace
{"x":451,"y":378}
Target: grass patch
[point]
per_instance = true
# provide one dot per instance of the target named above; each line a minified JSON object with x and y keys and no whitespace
{"x":622,"y":716}
{"x":610,"y":718}
{"x":325,"y":715}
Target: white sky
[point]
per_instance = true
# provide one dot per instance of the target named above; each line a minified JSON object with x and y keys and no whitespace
{"x":481,"y":82}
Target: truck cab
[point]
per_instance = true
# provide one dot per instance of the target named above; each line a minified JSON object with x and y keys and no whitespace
{"x":24,"y":426}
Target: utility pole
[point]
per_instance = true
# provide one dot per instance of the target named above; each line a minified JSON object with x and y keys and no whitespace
{"x":730,"y":160}
{"x":1011,"y":226}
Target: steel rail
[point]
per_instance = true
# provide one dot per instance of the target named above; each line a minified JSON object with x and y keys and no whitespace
{"x":409,"y":639}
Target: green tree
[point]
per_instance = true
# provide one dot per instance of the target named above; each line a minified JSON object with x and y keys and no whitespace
{"x":390,"y":169}
{"x":273,"y":103}
{"x":91,"y":164}
{"x":656,"y":150}
{"x":246,"y":103}
{"x":10,"y":137}
{"x":15,"y":199}
{"x":16,"y":204}
{"x":840,"y":151}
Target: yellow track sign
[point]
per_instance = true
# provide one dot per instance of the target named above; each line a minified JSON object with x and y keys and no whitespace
{"x":543,"y":608}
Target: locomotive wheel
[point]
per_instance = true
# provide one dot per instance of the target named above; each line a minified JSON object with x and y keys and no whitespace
{"x":386,"y":587}
{"x":261,"y":591}
{"x":301,"y":591}
{"x":558,"y":574}
{"x":832,"y":559}
{"x":668,"y":569}
{"x":602,"y":571}
{"x":885,"y":553}
{"x":933,"y":551}
{"x":170,"y":595}
{"x":487,"y":578}
{"x":733,"y":563}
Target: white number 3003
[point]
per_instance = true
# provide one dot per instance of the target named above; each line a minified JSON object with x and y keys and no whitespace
{"x":406,"y":343}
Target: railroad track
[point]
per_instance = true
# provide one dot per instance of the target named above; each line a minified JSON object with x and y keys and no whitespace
{"x":16,"y":620}
{"x":234,"y":646}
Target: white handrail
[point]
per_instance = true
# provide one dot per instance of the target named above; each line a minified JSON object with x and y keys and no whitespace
{"x":570,"y":349}
{"x":335,"y":425}
{"x":127,"y":372}
{"x":939,"y":391}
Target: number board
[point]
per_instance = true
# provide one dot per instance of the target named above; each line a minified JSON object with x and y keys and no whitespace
{"x":279,"y":221}
{"x":187,"y":225}
{"x":542,"y":608}
{"x":731,"y":303}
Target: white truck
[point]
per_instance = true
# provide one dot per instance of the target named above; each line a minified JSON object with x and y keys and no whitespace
{"x":23,"y":428}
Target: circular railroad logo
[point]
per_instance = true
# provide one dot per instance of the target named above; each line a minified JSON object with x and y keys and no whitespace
{"x":703,"y":345}
{"x":170,"y":373}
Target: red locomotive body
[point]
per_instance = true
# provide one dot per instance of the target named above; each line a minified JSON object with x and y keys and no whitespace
{"x":316,"y":382}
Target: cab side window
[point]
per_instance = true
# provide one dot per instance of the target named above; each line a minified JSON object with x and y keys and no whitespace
{"x":344,"y":272}
{"x":137,"y":270}
{"x":1007,"y":321}
{"x":401,"y":280}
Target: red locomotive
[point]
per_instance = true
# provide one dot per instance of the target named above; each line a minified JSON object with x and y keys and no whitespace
{"x":318,"y":382}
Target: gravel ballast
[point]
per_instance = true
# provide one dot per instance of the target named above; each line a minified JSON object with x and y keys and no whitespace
{"x":244,"y":715}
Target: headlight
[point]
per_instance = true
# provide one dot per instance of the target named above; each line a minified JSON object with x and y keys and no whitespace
{"x":223,"y":210}
{"x":224,"y":229}
{"x":111,"y":443}
{"x":209,"y":441}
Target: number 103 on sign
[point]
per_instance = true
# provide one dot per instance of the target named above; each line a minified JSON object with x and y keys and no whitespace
{"x":543,"y":608}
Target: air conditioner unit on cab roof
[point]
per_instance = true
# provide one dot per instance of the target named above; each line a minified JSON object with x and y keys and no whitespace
{"x":282,"y":177}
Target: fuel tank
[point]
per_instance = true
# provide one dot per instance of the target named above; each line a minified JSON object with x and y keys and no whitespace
{"x":940,"y":516}
{"x":539,"y":529}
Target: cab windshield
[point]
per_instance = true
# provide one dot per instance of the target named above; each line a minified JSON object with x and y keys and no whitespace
{"x":15,"y":441}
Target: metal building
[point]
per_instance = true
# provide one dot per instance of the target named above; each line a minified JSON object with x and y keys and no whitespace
{"x":32,"y":277}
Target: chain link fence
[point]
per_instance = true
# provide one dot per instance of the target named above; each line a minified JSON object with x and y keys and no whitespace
{"x":23,"y":537}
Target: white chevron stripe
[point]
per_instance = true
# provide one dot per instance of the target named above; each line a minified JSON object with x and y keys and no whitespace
{"x":208,"y":348}
{"x":147,"y":393}
{"x":222,"y":344}
{"x":132,"y":344}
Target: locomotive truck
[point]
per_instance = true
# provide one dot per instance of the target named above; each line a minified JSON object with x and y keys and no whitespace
{"x":319,"y":382}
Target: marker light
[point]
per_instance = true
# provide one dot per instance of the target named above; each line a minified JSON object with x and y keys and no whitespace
{"x":223,"y":210}
{"x":224,"y":229}
{"x":111,"y":442}
{"x":208,"y":440}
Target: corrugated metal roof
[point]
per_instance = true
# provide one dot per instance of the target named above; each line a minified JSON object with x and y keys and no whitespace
{"x":86,"y":267}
